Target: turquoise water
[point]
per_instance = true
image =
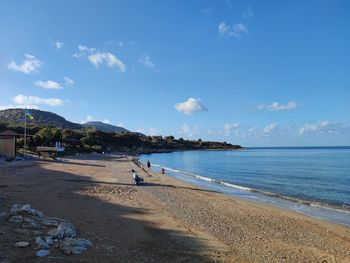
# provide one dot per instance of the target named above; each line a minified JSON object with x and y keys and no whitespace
{"x":315,"y":181}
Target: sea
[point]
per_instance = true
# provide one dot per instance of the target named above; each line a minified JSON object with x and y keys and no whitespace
{"x":310,"y":180}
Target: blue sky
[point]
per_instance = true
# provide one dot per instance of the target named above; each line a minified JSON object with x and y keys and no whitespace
{"x":256,"y":73}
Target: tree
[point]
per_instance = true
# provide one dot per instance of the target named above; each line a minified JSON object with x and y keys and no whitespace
{"x":47,"y":136}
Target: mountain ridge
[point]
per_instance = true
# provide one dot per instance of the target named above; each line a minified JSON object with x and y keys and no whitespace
{"x":105,"y":127}
{"x":46,"y":118}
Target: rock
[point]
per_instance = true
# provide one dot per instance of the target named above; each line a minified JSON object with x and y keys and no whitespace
{"x":50,"y":222}
{"x":30,"y":223}
{"x":16,"y":219}
{"x":74,"y":245}
{"x":49,"y":240}
{"x":25,"y":209}
{"x":43,"y":253}
{"x":22,"y":244}
{"x":68,"y":229}
{"x":28,"y":232}
{"x":64,"y":229}
{"x":55,"y":233}
{"x":41,"y":243}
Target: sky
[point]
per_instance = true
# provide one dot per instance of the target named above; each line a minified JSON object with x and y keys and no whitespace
{"x":254,"y":73}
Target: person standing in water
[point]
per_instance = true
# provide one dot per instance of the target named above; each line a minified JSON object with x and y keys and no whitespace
{"x":149,"y":165}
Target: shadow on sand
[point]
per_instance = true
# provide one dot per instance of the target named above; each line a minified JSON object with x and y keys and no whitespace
{"x":140,"y":185}
{"x":117,"y":232}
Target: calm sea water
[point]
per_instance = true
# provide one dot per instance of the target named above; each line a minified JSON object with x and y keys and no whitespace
{"x":298,"y":178}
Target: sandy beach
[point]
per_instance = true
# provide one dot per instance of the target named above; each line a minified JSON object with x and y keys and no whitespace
{"x":165,"y":220}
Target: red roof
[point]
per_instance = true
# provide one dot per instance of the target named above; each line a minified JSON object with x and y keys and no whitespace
{"x":8,"y":134}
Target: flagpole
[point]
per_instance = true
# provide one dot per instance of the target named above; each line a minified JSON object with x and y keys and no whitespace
{"x":25,"y":128}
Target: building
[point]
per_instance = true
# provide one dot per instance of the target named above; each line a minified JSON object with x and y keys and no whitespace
{"x":8,"y":144}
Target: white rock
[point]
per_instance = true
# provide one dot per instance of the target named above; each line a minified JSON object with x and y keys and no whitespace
{"x":25,"y":209}
{"x":22,"y":244}
{"x":55,"y":233}
{"x":49,"y":240}
{"x":31,"y":224}
{"x":64,"y":229}
{"x":43,"y":253}
{"x":50,"y":222}
{"x":41,"y":243}
{"x":68,"y":229}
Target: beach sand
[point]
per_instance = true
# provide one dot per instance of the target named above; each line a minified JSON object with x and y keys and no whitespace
{"x":165,"y":220}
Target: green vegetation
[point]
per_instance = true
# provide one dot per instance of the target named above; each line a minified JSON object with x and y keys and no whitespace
{"x":91,"y":140}
{"x":48,"y":128}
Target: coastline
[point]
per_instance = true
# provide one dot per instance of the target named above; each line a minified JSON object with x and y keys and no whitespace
{"x":163,"y":220}
{"x":329,"y":210}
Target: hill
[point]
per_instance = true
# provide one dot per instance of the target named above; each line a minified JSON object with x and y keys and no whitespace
{"x":44,"y":118}
{"x":46,"y":128}
{"x":104,"y":127}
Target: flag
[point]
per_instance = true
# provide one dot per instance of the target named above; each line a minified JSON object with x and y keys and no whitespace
{"x":29,"y":114}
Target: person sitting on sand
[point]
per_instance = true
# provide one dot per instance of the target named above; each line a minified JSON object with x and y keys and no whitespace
{"x":137,"y":179}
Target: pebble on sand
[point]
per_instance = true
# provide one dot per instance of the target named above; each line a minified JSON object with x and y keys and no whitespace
{"x":43,"y":253}
{"x":22,"y":244}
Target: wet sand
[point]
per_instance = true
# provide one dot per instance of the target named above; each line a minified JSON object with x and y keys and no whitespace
{"x":165,"y":220}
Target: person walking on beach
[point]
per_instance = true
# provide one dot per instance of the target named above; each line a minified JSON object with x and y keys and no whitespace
{"x":149,"y":165}
{"x":163,"y":171}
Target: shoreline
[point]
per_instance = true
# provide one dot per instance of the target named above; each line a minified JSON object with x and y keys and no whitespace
{"x":333,"y":213}
{"x":165,"y":220}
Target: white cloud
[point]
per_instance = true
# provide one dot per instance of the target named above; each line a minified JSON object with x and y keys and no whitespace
{"x":33,"y":100}
{"x":4,"y":107}
{"x":50,"y":84}
{"x":276,"y":106}
{"x":236,"y":30}
{"x":68,"y":81}
{"x":192,"y":105}
{"x":12,"y":106}
{"x":248,"y":14}
{"x":146,"y":60}
{"x":223,"y":28}
{"x":114,"y":43}
{"x":107,"y":121}
{"x":29,"y":65}
{"x":106,"y":58}
{"x":58,"y":44}
{"x":89,"y":118}
{"x":83,"y":48}
{"x":149,"y":132}
{"x":98,"y":58}
{"x":320,"y":127}
{"x":229,"y":128}
{"x":153,"y":131}
{"x":189,"y":131}
{"x":270,"y":128}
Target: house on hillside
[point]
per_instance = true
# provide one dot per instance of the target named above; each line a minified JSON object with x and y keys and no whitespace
{"x":8,"y":144}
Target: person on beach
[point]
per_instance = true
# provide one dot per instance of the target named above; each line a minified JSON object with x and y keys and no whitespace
{"x":163,"y":171}
{"x":137,"y":179}
{"x":149,"y":165}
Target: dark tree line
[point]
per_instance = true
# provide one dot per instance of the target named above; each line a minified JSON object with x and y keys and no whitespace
{"x":93,"y":140}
